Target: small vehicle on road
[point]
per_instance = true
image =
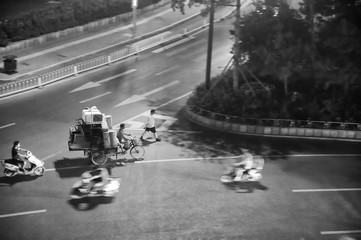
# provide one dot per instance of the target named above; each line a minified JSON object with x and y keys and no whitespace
{"x":11,"y":168}
{"x":94,"y":135}
{"x":252,"y":175}
{"x":95,"y":183}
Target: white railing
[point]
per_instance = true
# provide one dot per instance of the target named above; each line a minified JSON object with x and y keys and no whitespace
{"x":105,"y":59}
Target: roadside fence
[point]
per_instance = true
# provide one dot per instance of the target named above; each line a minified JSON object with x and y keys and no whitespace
{"x":128,"y":49}
{"x":276,"y":127}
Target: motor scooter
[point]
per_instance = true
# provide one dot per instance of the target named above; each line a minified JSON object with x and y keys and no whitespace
{"x":252,"y":175}
{"x":81,"y":189}
{"x":37,"y":168}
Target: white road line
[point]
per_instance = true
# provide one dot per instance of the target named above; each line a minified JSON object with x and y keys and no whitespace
{"x":186,"y":159}
{"x":146,"y":112}
{"x":47,"y":157}
{"x":340,"y":232}
{"x":7,"y":125}
{"x":152,"y":161}
{"x":182,"y":49}
{"x":169,"y":69}
{"x":22,"y":213}
{"x":327,"y":190}
{"x":317,"y":155}
{"x":101,"y":95}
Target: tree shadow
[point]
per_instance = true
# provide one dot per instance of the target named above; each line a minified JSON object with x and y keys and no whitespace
{"x":89,"y":203}
{"x":146,"y":142}
{"x":11,"y":181}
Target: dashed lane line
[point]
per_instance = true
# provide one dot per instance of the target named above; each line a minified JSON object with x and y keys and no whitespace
{"x":22,"y":213}
{"x":89,"y":99}
{"x":7,"y":125}
{"x":326,"y":190}
{"x":340,"y":232}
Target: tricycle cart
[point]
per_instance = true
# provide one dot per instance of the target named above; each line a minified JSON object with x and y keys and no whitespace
{"x":93,"y":134}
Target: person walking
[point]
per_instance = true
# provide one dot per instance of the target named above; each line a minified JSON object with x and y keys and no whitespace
{"x":150,"y":126}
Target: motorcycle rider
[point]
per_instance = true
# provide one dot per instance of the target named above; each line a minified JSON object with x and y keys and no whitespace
{"x":243,"y":166}
{"x":94,"y":180}
{"x":17,"y":156}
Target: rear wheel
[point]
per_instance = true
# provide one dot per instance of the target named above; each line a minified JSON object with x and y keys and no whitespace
{"x":99,"y":158}
{"x":137,"y":152}
{"x":39,"y":171}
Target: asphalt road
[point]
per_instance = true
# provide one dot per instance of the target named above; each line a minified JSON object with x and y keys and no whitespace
{"x":310,"y":189}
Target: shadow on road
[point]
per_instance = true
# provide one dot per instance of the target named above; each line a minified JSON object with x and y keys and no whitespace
{"x":246,"y":187}
{"x":72,"y":167}
{"x":75,"y":167}
{"x":11,"y":181}
{"x":89,"y":203}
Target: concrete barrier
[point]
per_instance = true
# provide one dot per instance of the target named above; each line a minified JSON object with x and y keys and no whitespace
{"x":272,"y":131}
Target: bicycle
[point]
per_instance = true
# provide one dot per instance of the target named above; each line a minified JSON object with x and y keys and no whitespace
{"x":136,"y":149}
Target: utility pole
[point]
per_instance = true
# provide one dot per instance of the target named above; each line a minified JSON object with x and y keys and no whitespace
{"x":134,"y":7}
{"x":210,"y":45}
{"x":236,"y":46}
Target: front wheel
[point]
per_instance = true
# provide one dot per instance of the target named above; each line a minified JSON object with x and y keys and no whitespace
{"x":137,"y":152}
{"x":39,"y":171}
{"x":9,"y":173}
{"x":99,"y":158}
{"x":226,"y":179}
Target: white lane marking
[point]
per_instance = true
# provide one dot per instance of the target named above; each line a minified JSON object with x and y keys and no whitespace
{"x":316,"y":155}
{"x":327,"y":190}
{"x":22,"y":213}
{"x":184,"y":48}
{"x":152,"y":161}
{"x":97,"y":84}
{"x":340,"y":232}
{"x":89,"y":99}
{"x":136,"y":98}
{"x":7,"y":125}
{"x":146,"y":112}
{"x":169,"y":69}
{"x":186,"y":159}
{"x":47,"y":157}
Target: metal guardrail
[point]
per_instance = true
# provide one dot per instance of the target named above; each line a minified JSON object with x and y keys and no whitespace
{"x":277,"y":122}
{"x":71,"y":70}
{"x":74,"y":69}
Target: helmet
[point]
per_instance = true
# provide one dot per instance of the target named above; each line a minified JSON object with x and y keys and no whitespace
{"x":86,"y":175}
{"x":244,"y":150}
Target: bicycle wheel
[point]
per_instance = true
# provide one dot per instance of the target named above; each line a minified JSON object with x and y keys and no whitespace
{"x":99,"y":158}
{"x":137,"y":152}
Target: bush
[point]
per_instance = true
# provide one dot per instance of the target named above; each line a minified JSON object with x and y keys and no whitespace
{"x":53,"y":18}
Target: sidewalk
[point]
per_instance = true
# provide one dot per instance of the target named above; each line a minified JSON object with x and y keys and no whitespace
{"x":37,"y":59}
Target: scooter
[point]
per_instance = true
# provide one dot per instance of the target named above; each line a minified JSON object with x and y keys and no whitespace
{"x":110,"y":189}
{"x":252,"y":175}
{"x":36,"y":169}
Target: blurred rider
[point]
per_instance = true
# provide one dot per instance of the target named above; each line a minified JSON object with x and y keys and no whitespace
{"x":18,"y":155}
{"x":94,"y":180}
{"x":244,"y":165}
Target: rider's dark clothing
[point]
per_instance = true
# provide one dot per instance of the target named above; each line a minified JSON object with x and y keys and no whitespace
{"x":15,"y":157}
{"x":14,"y":152}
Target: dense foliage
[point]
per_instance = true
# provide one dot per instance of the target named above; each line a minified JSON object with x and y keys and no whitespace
{"x":57,"y":17}
{"x":309,"y":69}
